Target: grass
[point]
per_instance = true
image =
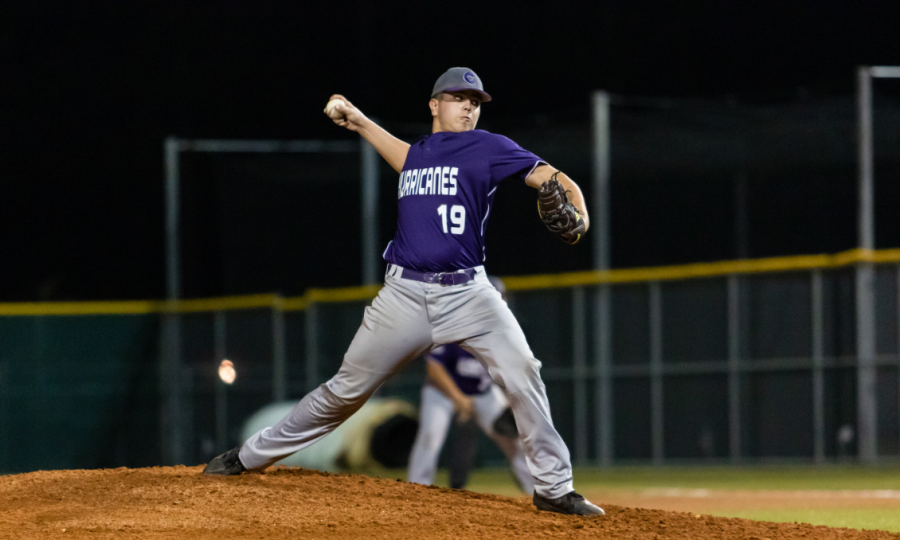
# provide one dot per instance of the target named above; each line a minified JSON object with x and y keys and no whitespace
{"x":750,"y":478}
{"x":747,"y":478}
{"x":885,"y":519}
{"x":773,"y":477}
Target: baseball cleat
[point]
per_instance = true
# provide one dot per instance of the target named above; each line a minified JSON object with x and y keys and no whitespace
{"x":227,"y":464}
{"x":571,"y":503}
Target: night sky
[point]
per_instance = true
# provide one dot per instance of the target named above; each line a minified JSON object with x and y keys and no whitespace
{"x":89,"y":90}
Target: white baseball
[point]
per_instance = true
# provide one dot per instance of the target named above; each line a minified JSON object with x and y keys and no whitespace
{"x":331,"y":108}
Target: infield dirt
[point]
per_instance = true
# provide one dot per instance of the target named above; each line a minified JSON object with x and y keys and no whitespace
{"x":179,"y":502}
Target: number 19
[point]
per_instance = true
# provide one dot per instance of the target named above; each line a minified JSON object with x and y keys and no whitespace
{"x":457,"y":217}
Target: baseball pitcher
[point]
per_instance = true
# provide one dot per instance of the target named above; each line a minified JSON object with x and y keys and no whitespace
{"x":436,"y":290}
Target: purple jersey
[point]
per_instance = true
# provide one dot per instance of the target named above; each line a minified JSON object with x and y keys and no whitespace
{"x":445,"y":195}
{"x":467,"y":372}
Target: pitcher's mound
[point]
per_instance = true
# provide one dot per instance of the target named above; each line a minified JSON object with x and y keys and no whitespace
{"x":179,"y":502}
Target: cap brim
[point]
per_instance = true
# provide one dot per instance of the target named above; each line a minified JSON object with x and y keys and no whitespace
{"x":484,"y":95}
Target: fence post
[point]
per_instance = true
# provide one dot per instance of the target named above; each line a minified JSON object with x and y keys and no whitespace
{"x":657,"y":428}
{"x":171,"y":422}
{"x":579,"y":363}
{"x":818,"y":362}
{"x":734,"y":368}
{"x":603,"y":410}
{"x":867,"y":405}
{"x":171,"y":414}
{"x":369,"y":172}
{"x":220,"y":341}
{"x":603,"y":403}
{"x":279,"y":367}
{"x":188,"y":438}
{"x":312,"y":346}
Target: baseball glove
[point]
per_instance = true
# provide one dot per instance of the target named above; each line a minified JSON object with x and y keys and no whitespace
{"x":557,"y":213}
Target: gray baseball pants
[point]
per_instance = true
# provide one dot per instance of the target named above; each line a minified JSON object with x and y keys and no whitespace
{"x":404,"y":321}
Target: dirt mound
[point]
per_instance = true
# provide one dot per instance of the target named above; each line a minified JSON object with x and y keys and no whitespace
{"x":178,"y":502}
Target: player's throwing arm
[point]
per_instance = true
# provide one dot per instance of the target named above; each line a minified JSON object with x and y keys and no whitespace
{"x":344,"y":114}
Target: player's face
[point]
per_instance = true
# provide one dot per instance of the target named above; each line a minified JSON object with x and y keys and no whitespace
{"x":456,"y":111}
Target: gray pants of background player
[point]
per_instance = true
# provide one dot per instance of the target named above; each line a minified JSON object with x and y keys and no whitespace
{"x":435,"y":413}
{"x":406,"y":319}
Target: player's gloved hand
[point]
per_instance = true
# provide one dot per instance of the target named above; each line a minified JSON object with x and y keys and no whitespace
{"x":465,"y":408}
{"x":558,"y":214}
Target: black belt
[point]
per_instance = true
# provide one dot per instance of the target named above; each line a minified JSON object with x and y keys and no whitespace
{"x":445,"y":279}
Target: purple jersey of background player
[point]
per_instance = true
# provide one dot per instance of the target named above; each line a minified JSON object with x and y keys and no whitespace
{"x":445,"y":195}
{"x":467,"y":372}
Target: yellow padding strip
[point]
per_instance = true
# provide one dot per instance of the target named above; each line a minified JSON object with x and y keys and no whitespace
{"x":347,"y":294}
{"x":886,"y":255}
{"x":516,"y":283}
{"x":271,"y":301}
{"x":701,"y":270}
{"x":140,"y":307}
{"x":136,"y":307}
{"x":254,"y":301}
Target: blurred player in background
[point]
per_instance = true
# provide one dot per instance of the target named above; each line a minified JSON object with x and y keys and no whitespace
{"x":457,"y":383}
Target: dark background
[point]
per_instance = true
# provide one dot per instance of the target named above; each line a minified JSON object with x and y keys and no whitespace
{"x":89,"y":90}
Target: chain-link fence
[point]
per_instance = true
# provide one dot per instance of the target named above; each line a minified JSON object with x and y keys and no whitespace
{"x":756,"y":360}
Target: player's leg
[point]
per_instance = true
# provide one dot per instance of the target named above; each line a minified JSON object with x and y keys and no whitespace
{"x":489,"y":408}
{"x":394,"y":330}
{"x":479,"y":320}
{"x":505,"y":353}
{"x":435,"y":413}
{"x":463,"y":449}
{"x":482,"y":323}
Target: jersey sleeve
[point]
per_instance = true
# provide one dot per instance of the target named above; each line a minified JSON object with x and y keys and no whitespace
{"x":510,"y":159}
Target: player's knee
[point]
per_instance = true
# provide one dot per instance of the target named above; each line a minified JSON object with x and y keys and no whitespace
{"x":339,"y":400}
{"x":329,"y":406}
{"x":353,"y":385}
{"x":520,"y":374}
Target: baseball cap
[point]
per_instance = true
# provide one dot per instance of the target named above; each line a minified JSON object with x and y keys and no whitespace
{"x":457,"y":79}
